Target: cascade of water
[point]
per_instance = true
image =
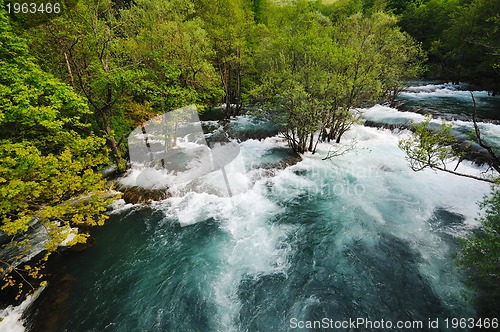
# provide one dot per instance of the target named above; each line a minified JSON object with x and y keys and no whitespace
{"x":360,"y":235}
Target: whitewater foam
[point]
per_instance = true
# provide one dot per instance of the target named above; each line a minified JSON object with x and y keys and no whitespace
{"x":441,"y":90}
{"x":490,"y":132}
{"x":393,"y":199}
{"x":254,"y":245}
{"x":11,"y":318}
{"x":313,"y":238}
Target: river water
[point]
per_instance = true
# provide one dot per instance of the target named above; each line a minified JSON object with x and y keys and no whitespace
{"x":357,"y":236}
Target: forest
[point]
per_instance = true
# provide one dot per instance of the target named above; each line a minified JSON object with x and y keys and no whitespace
{"x":75,"y":83}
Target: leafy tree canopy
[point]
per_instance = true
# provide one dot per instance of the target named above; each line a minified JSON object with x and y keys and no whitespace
{"x":462,"y":37}
{"x":315,"y":70}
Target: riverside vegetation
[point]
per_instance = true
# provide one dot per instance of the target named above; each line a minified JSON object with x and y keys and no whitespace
{"x":74,"y":84}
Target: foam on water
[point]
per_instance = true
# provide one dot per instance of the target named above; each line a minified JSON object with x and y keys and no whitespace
{"x":386,"y":114}
{"x":353,"y":236}
{"x":254,"y":246}
{"x":490,"y":132}
{"x":426,"y":88}
{"x":451,"y":99}
{"x":120,"y":206}
{"x":11,"y":317}
{"x":373,"y":179}
{"x":203,"y":179}
{"x":440,"y":90}
{"x":391,"y":172}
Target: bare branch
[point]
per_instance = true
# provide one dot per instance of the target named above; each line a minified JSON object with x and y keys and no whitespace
{"x":496,"y":160}
{"x":15,"y":269}
{"x":341,"y":150}
{"x":464,"y":175}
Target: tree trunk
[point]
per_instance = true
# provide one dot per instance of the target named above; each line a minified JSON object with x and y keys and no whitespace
{"x":238,"y":86}
{"x":114,"y":146}
{"x":311,"y":142}
{"x":227,"y":85}
{"x":69,"y":70}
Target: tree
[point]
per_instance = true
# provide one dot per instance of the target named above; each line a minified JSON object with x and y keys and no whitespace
{"x":130,"y":60}
{"x":294,"y":58}
{"x":50,"y":192}
{"x":315,"y":72}
{"x":436,"y":148}
{"x":340,"y":9}
{"x":471,"y":43}
{"x":461,"y":38}
{"x":480,"y":252}
{"x":433,"y":148}
{"x":426,"y":20}
{"x":173,"y":52}
{"x":480,"y":255}
{"x":258,"y":9}
{"x":230,"y":25}
{"x":86,"y":53}
{"x":376,"y":57}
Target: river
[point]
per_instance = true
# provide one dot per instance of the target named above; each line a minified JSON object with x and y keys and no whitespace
{"x":360,"y":236}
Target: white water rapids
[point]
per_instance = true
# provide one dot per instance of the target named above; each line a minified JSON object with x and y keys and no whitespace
{"x":358,"y":234}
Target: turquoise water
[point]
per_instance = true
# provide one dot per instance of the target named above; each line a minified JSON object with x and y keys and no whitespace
{"x":463,"y":130}
{"x":451,"y":99}
{"x":358,"y":236}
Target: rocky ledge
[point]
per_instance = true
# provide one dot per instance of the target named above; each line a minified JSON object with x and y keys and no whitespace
{"x":138,"y":195}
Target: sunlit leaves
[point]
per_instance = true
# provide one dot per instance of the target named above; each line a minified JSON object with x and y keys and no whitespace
{"x":429,"y":148}
{"x":50,"y":192}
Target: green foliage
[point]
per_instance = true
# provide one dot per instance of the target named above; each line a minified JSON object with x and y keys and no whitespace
{"x":36,"y":106}
{"x":471,"y":45}
{"x":435,"y":148}
{"x":426,"y":20}
{"x":462,"y":38}
{"x":480,"y":255}
{"x":294,"y":58}
{"x":51,"y":187}
{"x":230,"y":27}
{"x":429,"y":148}
{"x":82,"y":47}
{"x":315,"y":70}
{"x":380,"y":56}
{"x":258,"y":8}
{"x":131,"y":62}
{"x":310,"y":62}
{"x":172,"y":52}
{"x":340,"y":9}
{"x":48,"y":159}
